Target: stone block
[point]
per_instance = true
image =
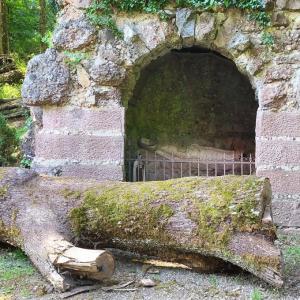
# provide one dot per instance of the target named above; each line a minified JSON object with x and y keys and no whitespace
{"x":186,"y":22}
{"x":74,"y":34}
{"x":282,"y":181}
{"x":79,"y":147}
{"x":81,"y":170}
{"x":47,"y":80}
{"x":273,"y":95}
{"x":277,"y":152}
{"x":286,"y":212}
{"x":276,"y":124}
{"x":89,"y":119}
{"x":205,"y":27}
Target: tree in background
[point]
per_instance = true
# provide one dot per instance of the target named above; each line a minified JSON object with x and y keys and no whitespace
{"x":4,"y":45}
{"x":8,"y":143}
{"x":25,"y":26}
{"x":28,"y":22}
{"x":43,"y":23}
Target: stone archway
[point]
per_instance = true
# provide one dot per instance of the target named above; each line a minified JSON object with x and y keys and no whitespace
{"x":79,"y":96}
{"x":190,"y":109}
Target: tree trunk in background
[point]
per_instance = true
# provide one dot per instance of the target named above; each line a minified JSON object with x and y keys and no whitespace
{"x":4,"y":42}
{"x":43,"y":23}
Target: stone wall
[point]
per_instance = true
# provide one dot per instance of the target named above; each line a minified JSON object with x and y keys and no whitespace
{"x":83,"y":103}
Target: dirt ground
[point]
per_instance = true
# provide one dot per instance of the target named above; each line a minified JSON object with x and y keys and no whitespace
{"x":19,"y":280}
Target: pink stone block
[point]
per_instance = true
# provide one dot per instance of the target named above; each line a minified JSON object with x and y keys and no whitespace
{"x":78,"y":118}
{"x":105,"y":172}
{"x":286,"y":182}
{"x":270,"y":124}
{"x":79,"y":147}
{"x":277,"y":152}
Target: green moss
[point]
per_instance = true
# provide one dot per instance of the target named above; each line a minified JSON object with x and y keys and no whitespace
{"x":261,"y":262}
{"x":11,"y":234}
{"x":142,"y":210}
{"x":120,"y":212}
{"x":67,"y":193}
{"x":220,"y":214}
{"x":3,"y":191}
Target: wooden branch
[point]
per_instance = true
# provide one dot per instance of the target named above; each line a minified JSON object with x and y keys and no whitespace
{"x":93,"y":264}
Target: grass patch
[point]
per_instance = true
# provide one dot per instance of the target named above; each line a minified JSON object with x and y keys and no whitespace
{"x":256,"y":295}
{"x":15,"y":272}
{"x":14,"y":265}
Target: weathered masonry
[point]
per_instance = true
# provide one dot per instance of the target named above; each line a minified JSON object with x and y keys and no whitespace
{"x":81,"y":92}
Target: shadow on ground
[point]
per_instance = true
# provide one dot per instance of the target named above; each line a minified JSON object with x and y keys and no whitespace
{"x":19,"y":280}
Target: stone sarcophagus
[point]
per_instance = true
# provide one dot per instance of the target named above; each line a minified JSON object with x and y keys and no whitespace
{"x":79,"y":90}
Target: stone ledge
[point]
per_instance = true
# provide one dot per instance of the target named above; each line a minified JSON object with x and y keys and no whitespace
{"x":103,"y":172}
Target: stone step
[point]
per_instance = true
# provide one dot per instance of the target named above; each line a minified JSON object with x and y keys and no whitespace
{"x":79,"y":170}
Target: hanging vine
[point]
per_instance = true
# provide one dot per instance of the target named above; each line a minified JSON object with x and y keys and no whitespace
{"x":101,"y":12}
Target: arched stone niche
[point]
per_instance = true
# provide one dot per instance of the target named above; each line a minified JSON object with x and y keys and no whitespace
{"x":79,"y":89}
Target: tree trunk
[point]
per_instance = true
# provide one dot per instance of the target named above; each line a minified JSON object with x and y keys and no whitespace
{"x":4,"y":41}
{"x":198,"y":221}
{"x":43,"y":23}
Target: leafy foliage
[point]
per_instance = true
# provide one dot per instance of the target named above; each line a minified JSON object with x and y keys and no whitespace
{"x":10,"y":91}
{"x":23,"y":24}
{"x":101,"y":12}
{"x":74,"y":58}
{"x":8,"y":143}
{"x":267,"y":39}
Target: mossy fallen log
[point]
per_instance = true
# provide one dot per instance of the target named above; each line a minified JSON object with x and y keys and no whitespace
{"x":190,"y":220}
{"x":12,"y":108}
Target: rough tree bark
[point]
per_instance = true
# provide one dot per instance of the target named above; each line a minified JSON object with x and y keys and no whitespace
{"x":198,"y":221}
{"x":4,"y":41}
{"x":43,"y":23}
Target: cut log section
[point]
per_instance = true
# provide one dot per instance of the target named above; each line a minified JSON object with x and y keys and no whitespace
{"x":201,"y":222}
{"x":93,"y":264}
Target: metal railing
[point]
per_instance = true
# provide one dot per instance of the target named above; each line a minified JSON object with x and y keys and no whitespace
{"x":155,"y":167}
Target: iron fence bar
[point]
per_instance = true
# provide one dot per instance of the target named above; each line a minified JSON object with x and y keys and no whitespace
{"x":195,"y":161}
{"x":164,"y":169}
{"x":224,"y":164}
{"x":242,"y":169}
{"x":181,"y":169}
{"x":233,"y":165}
{"x":155,"y":175}
{"x":245,"y":163}
{"x":145,"y":167}
{"x":138,"y":171}
{"x":172,"y":167}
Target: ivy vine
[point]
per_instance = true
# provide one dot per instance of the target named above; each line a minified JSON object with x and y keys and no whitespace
{"x":101,"y":12}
